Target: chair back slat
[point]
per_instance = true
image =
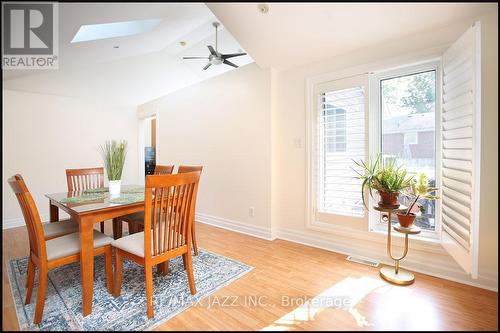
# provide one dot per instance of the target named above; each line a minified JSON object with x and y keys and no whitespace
{"x":84,"y":179}
{"x":189,"y":168}
{"x":169,"y":212}
{"x":163,"y":169}
{"x":30,"y":214}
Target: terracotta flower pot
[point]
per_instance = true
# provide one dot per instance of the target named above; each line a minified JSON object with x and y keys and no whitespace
{"x":406,"y":220}
{"x":388,"y":199}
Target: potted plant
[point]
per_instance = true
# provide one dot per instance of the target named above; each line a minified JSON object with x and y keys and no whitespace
{"x":113,"y":154}
{"x":418,"y":190}
{"x":386,"y":178}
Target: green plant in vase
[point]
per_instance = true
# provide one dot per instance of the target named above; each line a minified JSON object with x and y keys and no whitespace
{"x":417,"y":191}
{"x":114,"y":153}
{"x":386,"y":178}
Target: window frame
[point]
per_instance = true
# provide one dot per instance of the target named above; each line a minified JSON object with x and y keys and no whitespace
{"x":375,"y":137}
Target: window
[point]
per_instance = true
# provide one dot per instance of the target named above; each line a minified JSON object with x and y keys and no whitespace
{"x":426,"y":116}
{"x":408,"y":104}
{"x":405,"y":103}
{"x":333,"y":127}
{"x":111,"y":30}
{"x":340,"y":138}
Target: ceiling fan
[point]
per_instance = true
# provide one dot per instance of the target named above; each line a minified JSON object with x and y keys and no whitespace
{"x":216,"y":58}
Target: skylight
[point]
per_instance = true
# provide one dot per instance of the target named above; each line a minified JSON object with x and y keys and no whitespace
{"x":110,"y":30}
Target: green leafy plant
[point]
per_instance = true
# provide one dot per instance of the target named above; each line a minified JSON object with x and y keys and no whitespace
{"x":380,"y":176}
{"x":114,"y":153}
{"x":419,"y":190}
{"x":392,"y":178}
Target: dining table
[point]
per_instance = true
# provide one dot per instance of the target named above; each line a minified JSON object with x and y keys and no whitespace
{"x":87,"y":208}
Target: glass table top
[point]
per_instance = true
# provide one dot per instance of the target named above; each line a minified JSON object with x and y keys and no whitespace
{"x":94,"y":199}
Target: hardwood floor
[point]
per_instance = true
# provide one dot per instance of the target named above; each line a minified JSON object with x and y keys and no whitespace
{"x":286,"y":272}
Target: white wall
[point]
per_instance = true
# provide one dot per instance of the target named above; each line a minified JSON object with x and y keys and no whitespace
{"x":289,"y":161}
{"x":224,"y":124}
{"x":43,"y":135}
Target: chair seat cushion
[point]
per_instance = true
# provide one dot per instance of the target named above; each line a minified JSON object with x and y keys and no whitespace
{"x":70,"y":244}
{"x":134,"y":243}
{"x":63,"y":227}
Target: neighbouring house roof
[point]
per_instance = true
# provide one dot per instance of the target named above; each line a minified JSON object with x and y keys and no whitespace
{"x":409,"y":123}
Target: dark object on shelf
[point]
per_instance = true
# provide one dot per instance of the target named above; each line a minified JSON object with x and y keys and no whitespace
{"x":150,"y":160}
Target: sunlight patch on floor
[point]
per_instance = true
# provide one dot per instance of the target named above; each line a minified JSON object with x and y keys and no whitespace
{"x":344,"y":295}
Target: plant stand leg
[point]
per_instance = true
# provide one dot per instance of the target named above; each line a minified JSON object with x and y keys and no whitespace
{"x":396,"y":274}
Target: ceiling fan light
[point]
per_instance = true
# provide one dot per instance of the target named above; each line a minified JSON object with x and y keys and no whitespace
{"x":216,"y":61}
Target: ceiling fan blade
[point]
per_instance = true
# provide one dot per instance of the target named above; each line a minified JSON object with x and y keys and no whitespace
{"x":208,"y":65}
{"x":226,"y":56}
{"x":194,"y":57}
{"x":211,"y":49}
{"x":230,"y":63}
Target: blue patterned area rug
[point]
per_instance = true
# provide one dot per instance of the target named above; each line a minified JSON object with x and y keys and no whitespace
{"x":63,"y":304}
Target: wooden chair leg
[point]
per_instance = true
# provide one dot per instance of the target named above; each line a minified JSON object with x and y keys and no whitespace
{"x":108,"y":268}
{"x":149,"y":289}
{"x":117,"y":285}
{"x":193,"y":237}
{"x":117,"y":228}
{"x":30,"y":280}
{"x":189,"y":268}
{"x":184,"y":262}
{"x":42,"y":288}
{"x":163,"y":268}
{"x":102,"y":227}
{"x":28,"y":271}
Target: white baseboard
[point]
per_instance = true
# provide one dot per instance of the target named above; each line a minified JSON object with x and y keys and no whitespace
{"x":19,"y":222}
{"x":243,"y":228}
{"x":12,"y":223}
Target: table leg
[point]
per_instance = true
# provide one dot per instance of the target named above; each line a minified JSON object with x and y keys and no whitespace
{"x":54,"y":213}
{"x":87,"y":263}
{"x":117,"y":228}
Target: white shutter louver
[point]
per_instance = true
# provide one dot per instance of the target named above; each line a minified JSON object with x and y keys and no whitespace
{"x":341,"y":138}
{"x":461,"y":120}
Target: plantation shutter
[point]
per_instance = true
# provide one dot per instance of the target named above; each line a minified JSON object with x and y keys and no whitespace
{"x":461,"y":142}
{"x":340,"y":139}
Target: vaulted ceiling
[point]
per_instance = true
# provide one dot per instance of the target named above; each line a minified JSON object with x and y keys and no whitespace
{"x":130,"y":70}
{"x":149,"y":65}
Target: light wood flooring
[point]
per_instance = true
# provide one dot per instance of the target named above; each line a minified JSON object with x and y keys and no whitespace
{"x":286,"y":272}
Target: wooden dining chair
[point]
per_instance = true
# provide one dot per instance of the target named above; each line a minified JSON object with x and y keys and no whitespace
{"x":52,"y":253}
{"x":135,"y":221}
{"x":168,"y":217}
{"x":184,"y":169}
{"x":85,"y":179}
{"x":57,"y":228}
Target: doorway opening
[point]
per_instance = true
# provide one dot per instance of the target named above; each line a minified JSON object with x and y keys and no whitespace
{"x":149,"y":145}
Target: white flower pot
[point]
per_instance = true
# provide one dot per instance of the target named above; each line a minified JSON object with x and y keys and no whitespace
{"x":114,"y":187}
